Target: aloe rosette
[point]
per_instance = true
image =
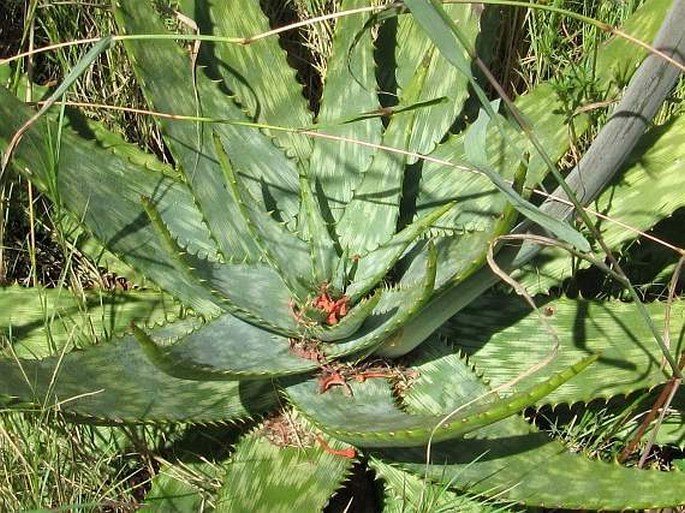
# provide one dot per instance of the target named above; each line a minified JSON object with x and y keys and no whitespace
{"x":306,"y":245}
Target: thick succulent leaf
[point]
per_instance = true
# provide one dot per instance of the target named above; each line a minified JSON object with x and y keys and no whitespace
{"x":406,"y":492}
{"x":468,"y":255}
{"x":172,"y":84}
{"x":227,"y":348}
{"x":460,"y":254}
{"x":188,"y":235}
{"x":651,"y":178}
{"x":442,"y":81}
{"x":84,"y":186}
{"x":445,"y":305}
{"x":284,"y":250}
{"x":505,"y":459}
{"x":507,"y":463}
{"x":224,"y":349}
{"x":253,"y":292}
{"x":173,"y":490}
{"x":234,"y":286}
{"x":480,"y":214}
{"x":503,"y":338}
{"x":393,"y":310}
{"x":312,"y":227}
{"x":420,"y":120}
{"x":370,"y":218}
{"x":348,"y":325}
{"x":41,"y":322}
{"x":258,"y":74}
{"x":373,"y":267}
{"x":477,"y":198}
{"x":378,"y":422}
{"x":261,"y":476}
{"x":475,"y":144}
{"x":349,"y":89}
{"x":116,"y":382}
{"x":479,"y":203}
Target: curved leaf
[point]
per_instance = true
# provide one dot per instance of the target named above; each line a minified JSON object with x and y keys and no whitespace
{"x":503,"y":338}
{"x":506,"y":459}
{"x":393,"y":310}
{"x":173,"y":490}
{"x":234,"y":286}
{"x":173,"y":84}
{"x":312,"y":227}
{"x":84,"y":186}
{"x":442,"y":80}
{"x":225,"y":349}
{"x":264,"y":477}
{"x":350,"y":324}
{"x":376,"y":201}
{"x":376,"y":420}
{"x":349,"y":86}
{"x":253,"y":292}
{"x":116,"y":382}
{"x":646,"y":192}
{"x":405,"y":492}
{"x":285,"y":251}
{"x":373,"y":267}
{"x":258,"y":73}
{"x":42,"y":322}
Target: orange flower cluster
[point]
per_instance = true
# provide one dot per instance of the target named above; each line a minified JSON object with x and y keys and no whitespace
{"x":334,"y":309}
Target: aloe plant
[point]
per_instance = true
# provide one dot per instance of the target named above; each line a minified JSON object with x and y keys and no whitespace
{"x":306,"y":246}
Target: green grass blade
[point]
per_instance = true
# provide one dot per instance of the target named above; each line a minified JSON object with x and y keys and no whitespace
{"x":81,"y":66}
